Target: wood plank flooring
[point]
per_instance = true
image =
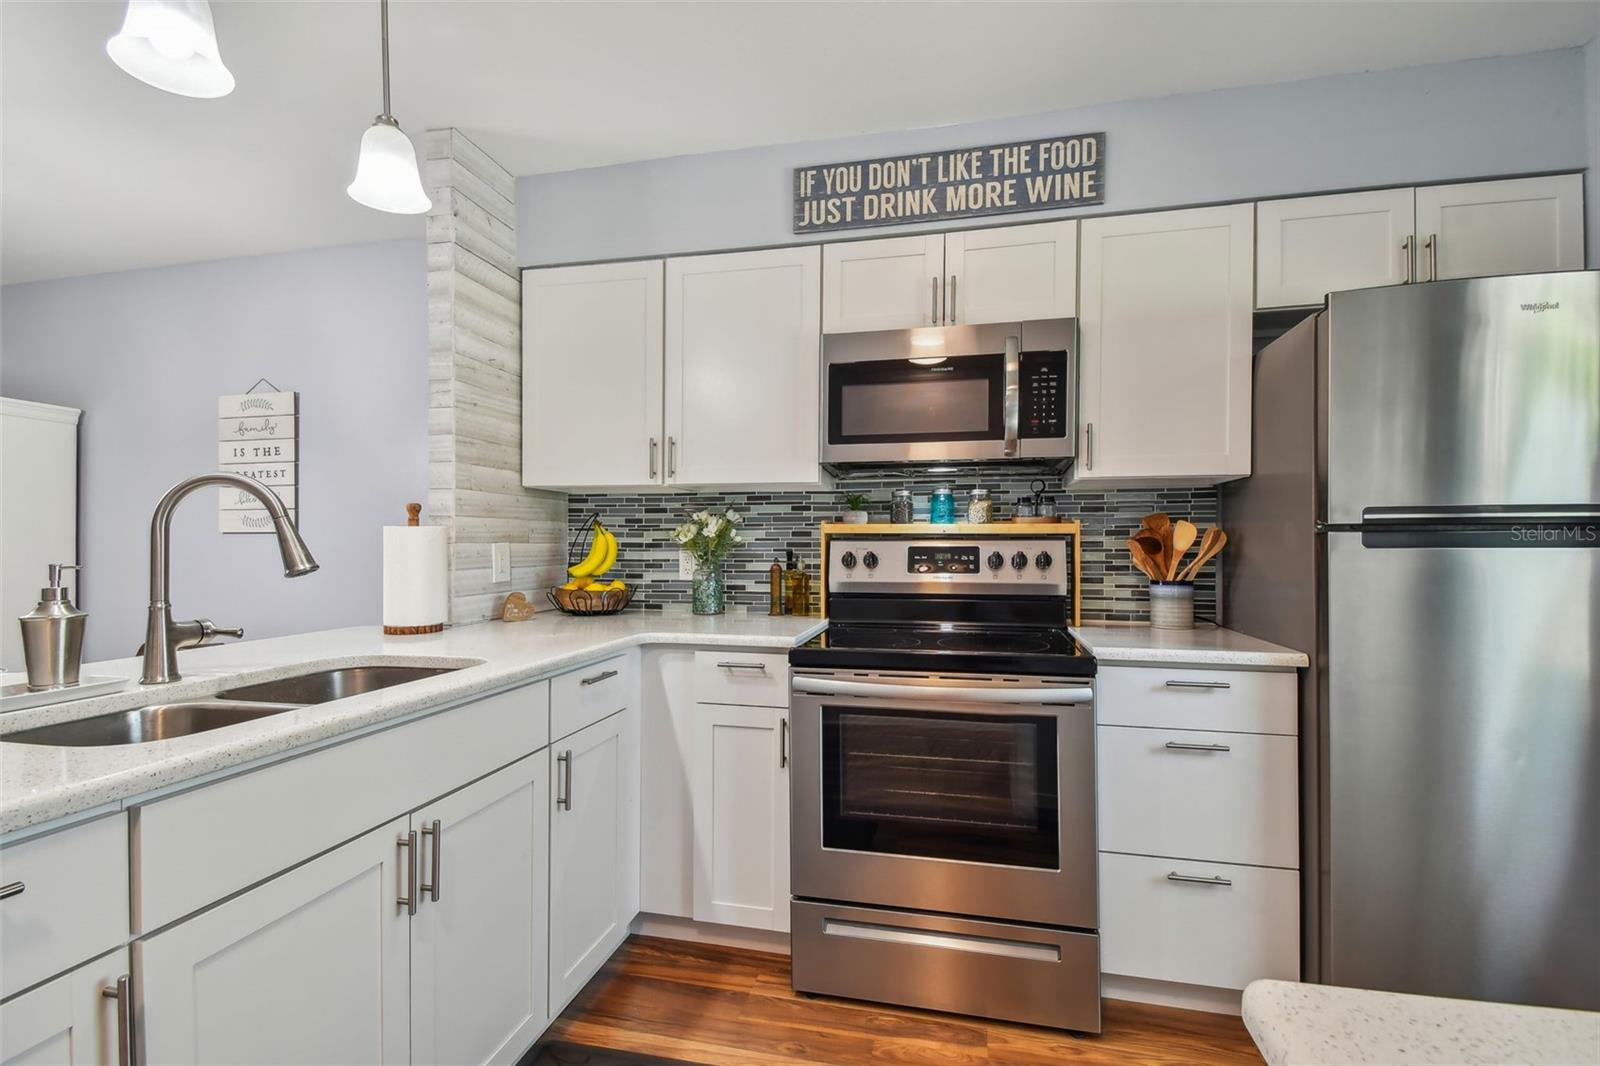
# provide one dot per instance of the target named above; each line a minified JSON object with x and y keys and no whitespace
{"x":728,"y":1007}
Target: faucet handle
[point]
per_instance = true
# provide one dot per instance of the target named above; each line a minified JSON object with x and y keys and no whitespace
{"x":210,"y":632}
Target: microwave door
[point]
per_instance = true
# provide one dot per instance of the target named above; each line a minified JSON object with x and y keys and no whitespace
{"x":932,"y":408}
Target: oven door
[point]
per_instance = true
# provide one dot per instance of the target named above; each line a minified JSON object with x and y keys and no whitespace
{"x":970,"y":797}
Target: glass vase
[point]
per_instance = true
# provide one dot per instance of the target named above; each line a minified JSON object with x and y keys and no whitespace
{"x":709,"y":590}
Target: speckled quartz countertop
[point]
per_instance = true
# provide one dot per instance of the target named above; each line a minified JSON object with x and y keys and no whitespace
{"x":40,"y":783}
{"x":1310,"y":1025}
{"x":1134,"y":643}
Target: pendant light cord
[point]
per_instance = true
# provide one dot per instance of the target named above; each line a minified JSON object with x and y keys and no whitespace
{"x":383,"y":8}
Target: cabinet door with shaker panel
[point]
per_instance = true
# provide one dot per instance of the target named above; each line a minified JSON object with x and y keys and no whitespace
{"x":1011,"y":273}
{"x":741,"y":816}
{"x":892,"y":283}
{"x":1164,"y":337}
{"x":591,"y":376}
{"x":1481,"y":228}
{"x":1309,"y":246}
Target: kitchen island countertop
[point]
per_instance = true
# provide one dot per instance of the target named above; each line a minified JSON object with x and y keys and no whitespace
{"x":42,"y":783}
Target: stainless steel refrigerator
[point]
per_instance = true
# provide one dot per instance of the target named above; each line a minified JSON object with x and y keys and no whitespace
{"x":1423,"y":517}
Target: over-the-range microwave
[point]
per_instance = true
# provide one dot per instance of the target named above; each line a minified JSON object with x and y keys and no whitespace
{"x":957,"y":394}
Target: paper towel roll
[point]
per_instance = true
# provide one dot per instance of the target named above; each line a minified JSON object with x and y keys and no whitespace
{"x":416,"y":564}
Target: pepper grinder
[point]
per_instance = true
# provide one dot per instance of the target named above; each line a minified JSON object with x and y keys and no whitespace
{"x":52,"y":636}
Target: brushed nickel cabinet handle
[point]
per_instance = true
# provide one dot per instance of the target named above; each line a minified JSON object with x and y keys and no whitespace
{"x":433,"y":832}
{"x":15,"y":888}
{"x":672,"y":456}
{"x":124,"y":1019}
{"x":653,"y":449}
{"x":1407,"y":260}
{"x":1178,"y":745}
{"x":1432,"y":247}
{"x":408,"y":844}
{"x":933,"y":309}
{"x":783,"y":743}
{"x":604,"y":675}
{"x":564,"y":780}
{"x":1199,"y":684}
{"x":1088,"y":444}
{"x":742,"y":666}
{"x":1190,"y":879}
{"x":950,"y":302}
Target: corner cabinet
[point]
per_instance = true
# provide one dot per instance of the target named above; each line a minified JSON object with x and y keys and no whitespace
{"x":1165,"y":348}
{"x":591,"y":376}
{"x":743,"y":367}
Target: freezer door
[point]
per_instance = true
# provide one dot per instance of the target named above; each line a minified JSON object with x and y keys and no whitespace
{"x":1462,"y":738}
{"x":1464,"y":393}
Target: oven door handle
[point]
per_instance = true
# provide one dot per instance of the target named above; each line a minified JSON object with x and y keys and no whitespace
{"x":830,"y":686}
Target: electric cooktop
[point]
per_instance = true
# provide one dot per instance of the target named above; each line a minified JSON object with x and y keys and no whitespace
{"x":951,"y":648}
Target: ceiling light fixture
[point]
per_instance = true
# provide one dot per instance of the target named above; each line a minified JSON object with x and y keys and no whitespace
{"x":172,"y":44}
{"x":386,"y":173}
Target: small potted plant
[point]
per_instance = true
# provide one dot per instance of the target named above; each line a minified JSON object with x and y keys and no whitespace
{"x":709,"y":538}
{"x":855,"y":504}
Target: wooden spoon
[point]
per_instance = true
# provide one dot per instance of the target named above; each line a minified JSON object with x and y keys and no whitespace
{"x":1154,"y":549}
{"x":1210,"y":545}
{"x":1155,"y":522}
{"x":1183,"y":534}
{"x":1141,"y":559}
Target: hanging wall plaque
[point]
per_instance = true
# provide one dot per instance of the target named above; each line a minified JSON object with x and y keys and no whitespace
{"x":258,"y":435}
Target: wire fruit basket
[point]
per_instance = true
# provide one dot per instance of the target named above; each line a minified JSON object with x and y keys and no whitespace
{"x":593,"y":600}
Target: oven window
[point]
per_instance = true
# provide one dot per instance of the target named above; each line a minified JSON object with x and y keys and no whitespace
{"x":896,"y":401}
{"x":976,"y":788}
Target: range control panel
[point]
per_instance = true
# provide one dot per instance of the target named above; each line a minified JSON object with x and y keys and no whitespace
{"x":1033,"y":566}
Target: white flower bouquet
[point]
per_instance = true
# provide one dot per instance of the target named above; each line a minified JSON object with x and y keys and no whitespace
{"x":710,"y":537}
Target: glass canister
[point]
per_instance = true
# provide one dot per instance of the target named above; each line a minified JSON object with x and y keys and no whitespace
{"x":980,"y":508}
{"x":942,"y":508}
{"x":900,"y":508}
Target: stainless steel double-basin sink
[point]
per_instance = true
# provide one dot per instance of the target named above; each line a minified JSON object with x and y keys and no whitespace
{"x":163,"y":721}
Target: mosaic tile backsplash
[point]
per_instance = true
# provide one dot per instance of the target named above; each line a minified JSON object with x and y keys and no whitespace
{"x":778,"y":522}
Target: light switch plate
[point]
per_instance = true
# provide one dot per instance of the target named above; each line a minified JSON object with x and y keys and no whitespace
{"x":685,"y":566}
{"x":500,"y":563}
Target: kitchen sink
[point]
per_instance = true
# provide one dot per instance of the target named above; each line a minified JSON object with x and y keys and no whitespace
{"x":325,"y":685}
{"x":161,"y":721}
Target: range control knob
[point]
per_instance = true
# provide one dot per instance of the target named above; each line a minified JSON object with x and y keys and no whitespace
{"x":923,"y":568}
{"x":848,"y":560}
{"x":1019,"y":560}
{"x":996,"y":560}
{"x":1043,"y":560}
{"x":870,"y":560}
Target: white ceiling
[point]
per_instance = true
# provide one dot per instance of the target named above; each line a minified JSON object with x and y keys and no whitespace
{"x":103,"y":173}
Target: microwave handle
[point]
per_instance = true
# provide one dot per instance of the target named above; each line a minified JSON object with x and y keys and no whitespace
{"x":1013,"y":398}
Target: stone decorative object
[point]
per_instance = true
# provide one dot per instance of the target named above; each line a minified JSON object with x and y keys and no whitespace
{"x":517,"y":608}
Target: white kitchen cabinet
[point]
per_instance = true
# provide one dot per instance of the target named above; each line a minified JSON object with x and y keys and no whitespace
{"x":743,"y":365}
{"x":741,"y":816}
{"x":481,"y":933}
{"x":1164,"y":338}
{"x":1011,"y":273}
{"x":1310,"y":246}
{"x":594,"y":850}
{"x":592,"y":376}
{"x":1518,"y":226}
{"x":666,"y":809}
{"x":312,"y":966}
{"x":69,"y":1021}
{"x":890,"y":283}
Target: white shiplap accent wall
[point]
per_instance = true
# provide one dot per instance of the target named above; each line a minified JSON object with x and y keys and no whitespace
{"x":475,"y":385}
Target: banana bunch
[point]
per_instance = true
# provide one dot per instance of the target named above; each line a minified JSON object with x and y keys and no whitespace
{"x":601,"y":558}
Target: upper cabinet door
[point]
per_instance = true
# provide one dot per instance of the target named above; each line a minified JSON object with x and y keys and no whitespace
{"x":1012,"y":274}
{"x":743,"y":367}
{"x":894,"y":283}
{"x":1164,"y":336}
{"x":480,"y":939}
{"x":1314,"y":245}
{"x":1520,"y":226}
{"x":591,"y":376}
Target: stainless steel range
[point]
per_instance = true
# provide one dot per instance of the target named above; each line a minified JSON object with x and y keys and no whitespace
{"x":943,"y":783}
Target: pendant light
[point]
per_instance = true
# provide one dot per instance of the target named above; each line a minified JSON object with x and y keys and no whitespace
{"x":386,"y":173}
{"x":172,"y":44}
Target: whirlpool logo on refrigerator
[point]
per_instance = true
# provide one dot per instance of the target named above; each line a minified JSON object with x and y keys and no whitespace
{"x":1542,"y":305}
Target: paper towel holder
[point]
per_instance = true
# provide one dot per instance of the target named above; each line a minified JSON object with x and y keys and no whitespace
{"x":413,"y":521}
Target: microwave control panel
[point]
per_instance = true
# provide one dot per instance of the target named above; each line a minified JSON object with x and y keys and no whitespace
{"x":1044,"y":395}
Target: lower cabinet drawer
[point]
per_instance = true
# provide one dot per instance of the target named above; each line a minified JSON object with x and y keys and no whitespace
{"x":1198,"y":923}
{"x":1237,"y":701}
{"x":590,"y":693}
{"x":1020,"y":973}
{"x":68,"y":901}
{"x":1226,"y":797}
{"x":745,"y":678}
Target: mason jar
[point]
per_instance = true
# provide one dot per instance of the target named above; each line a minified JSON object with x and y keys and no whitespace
{"x":980,"y":508}
{"x":900,"y":507}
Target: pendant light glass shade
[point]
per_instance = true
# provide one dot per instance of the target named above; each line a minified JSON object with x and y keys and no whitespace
{"x":172,"y":45}
{"x":386,"y":173}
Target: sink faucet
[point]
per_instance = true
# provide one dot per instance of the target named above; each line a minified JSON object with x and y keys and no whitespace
{"x":162,"y":636}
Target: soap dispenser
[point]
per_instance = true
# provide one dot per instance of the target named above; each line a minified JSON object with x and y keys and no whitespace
{"x":52,"y":636}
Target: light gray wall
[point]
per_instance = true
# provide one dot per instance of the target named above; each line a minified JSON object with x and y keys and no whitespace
{"x":146,"y":353}
{"x":1477,"y":118}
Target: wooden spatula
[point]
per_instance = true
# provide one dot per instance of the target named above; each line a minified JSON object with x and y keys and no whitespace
{"x":1210,"y":545}
{"x":1183,"y":534}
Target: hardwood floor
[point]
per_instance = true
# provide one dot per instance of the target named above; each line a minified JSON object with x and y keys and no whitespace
{"x":729,"y":1007}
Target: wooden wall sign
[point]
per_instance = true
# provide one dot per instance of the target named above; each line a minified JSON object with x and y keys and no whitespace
{"x":258,"y":435}
{"x":993,"y":180}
